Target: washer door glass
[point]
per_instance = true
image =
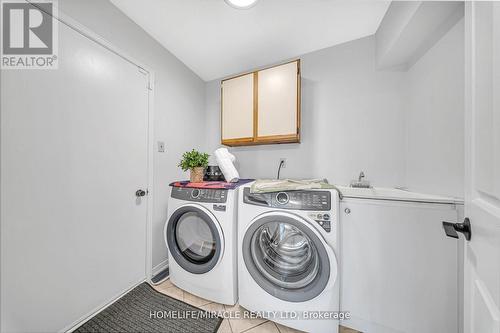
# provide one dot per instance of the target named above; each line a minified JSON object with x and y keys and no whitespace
{"x":286,"y":258}
{"x":285,"y":255}
{"x":193,"y":239}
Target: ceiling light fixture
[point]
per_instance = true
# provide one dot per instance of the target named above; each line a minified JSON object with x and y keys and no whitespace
{"x":241,"y":4}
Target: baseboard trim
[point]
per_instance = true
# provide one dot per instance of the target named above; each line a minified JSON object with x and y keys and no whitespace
{"x":161,"y":266}
{"x":73,"y":326}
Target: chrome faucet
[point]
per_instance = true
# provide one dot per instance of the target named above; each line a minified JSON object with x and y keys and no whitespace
{"x":361,"y":183}
{"x":361,"y":176}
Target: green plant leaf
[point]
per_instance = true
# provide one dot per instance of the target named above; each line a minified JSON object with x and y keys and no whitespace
{"x":193,"y":159}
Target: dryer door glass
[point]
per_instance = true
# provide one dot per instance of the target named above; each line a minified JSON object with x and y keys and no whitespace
{"x":286,"y":258}
{"x":194,"y":240}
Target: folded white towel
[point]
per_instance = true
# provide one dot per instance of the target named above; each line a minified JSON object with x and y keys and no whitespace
{"x":225,"y":162}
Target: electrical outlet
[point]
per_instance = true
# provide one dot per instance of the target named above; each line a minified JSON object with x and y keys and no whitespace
{"x":283,"y":166}
{"x":161,"y":147}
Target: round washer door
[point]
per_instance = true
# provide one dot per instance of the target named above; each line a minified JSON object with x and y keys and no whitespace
{"x":286,"y":257}
{"x":194,"y":239}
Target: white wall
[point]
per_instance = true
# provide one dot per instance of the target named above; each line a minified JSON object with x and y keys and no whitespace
{"x":434,"y":99}
{"x":179,"y":98}
{"x":410,"y":28}
{"x":353,"y":116}
{"x":352,"y":120}
{"x":401,"y":128}
{"x":392,"y":27}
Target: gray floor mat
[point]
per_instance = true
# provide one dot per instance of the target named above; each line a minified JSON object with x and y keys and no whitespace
{"x":131,"y":313}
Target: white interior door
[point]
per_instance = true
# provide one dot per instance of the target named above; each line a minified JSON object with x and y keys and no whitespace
{"x":73,"y":153}
{"x":482,"y":254}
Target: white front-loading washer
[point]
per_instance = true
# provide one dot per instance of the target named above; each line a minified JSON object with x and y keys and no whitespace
{"x":201,"y":237}
{"x":287,"y":257}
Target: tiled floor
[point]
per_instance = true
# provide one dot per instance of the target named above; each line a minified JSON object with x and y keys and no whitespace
{"x":256,"y":325}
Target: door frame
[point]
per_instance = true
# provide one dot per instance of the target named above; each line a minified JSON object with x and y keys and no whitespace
{"x":91,"y":35}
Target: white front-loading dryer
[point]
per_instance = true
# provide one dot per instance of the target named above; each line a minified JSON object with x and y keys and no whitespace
{"x":287,"y":260}
{"x":201,"y":237}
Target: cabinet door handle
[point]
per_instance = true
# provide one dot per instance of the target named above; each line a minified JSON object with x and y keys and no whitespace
{"x":451,"y":229}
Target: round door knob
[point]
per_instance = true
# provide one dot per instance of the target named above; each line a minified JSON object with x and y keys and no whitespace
{"x":347,"y":211}
{"x":140,"y":193}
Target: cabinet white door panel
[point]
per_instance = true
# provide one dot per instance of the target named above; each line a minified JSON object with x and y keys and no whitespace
{"x":398,"y":268}
{"x":238,"y":107}
{"x":277,"y":100}
{"x":73,"y":152}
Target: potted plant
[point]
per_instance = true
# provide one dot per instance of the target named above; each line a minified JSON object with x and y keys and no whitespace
{"x":195,"y":162}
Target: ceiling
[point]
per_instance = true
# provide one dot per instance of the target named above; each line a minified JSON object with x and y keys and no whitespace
{"x":216,"y":40}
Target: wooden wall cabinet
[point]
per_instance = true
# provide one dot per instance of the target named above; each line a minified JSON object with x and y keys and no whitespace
{"x":262,"y":107}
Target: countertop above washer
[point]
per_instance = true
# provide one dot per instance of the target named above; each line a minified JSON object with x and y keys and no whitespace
{"x":394,"y":194}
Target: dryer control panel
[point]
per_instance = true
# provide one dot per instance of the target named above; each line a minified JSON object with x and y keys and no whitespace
{"x":199,"y":194}
{"x":298,"y":200}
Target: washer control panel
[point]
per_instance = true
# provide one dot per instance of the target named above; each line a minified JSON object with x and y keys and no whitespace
{"x":199,"y":194}
{"x":324,"y":220}
{"x":297,"y":200}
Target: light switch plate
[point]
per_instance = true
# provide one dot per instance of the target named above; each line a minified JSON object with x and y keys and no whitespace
{"x":161,"y":147}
